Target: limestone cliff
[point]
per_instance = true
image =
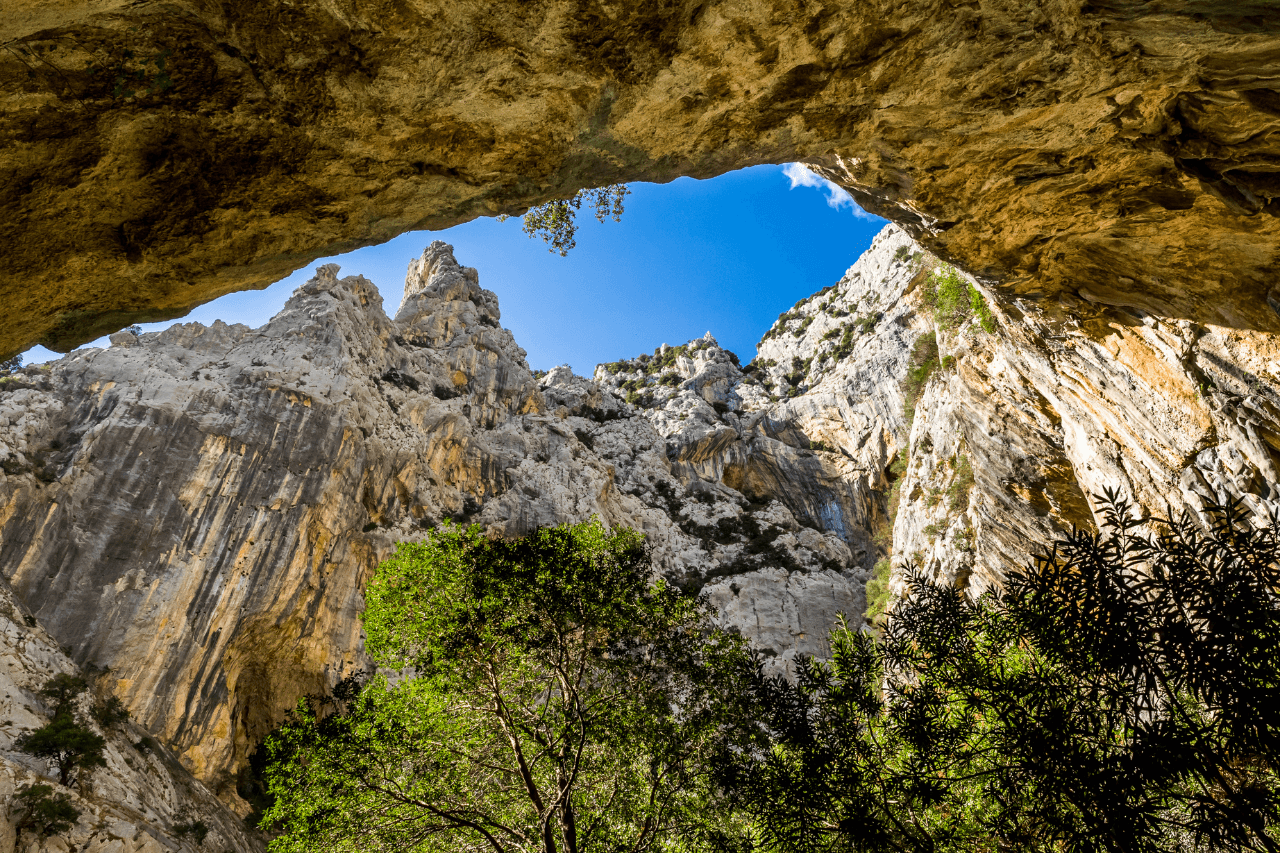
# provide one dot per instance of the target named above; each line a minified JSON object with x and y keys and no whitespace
{"x":197,"y":509}
{"x":155,"y":155}
{"x":1016,"y":428}
{"x":138,"y":803}
{"x":1099,"y":392}
{"x":1019,"y":427}
{"x":193,"y":513}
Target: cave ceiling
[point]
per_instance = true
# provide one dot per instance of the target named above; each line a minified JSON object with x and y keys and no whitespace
{"x":156,"y":155}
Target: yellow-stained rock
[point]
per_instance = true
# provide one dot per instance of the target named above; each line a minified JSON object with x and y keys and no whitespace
{"x":156,"y":156}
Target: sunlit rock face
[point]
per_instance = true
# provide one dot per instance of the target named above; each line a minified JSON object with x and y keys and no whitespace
{"x":153,"y":157}
{"x":1020,"y":431}
{"x":1013,"y":439}
{"x":198,"y":509}
{"x":1053,"y":410}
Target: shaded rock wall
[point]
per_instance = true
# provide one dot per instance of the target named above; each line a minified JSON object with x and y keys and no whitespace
{"x":135,"y":804}
{"x":154,"y":156}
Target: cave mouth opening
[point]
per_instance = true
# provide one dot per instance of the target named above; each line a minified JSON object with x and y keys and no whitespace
{"x":724,"y":255}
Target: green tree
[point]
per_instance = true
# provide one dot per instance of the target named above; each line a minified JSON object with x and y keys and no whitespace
{"x":63,"y":689}
{"x":10,"y":365}
{"x":555,"y":222}
{"x":42,"y":811}
{"x":64,"y":740}
{"x":556,"y":699}
{"x":111,"y":713}
{"x":1122,"y":695}
{"x":67,"y":744}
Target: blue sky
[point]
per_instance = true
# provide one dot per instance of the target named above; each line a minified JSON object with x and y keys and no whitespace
{"x":725,"y":255}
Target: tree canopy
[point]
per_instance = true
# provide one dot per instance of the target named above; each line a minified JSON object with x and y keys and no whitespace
{"x":541,"y":694}
{"x":1119,"y":696}
{"x":42,"y":811}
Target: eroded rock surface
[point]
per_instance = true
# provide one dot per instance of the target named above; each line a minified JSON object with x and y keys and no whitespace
{"x":198,"y":509}
{"x":138,"y":803}
{"x":154,"y":156}
{"x":1058,"y":406}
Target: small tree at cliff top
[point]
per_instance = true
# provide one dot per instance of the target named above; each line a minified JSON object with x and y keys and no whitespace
{"x":1123,"y":695}
{"x":557,"y":700}
{"x":556,"y":221}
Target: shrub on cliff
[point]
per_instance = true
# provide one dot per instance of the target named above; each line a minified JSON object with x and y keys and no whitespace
{"x":65,"y":740}
{"x":878,"y":596}
{"x":556,"y":698}
{"x":556,"y":221}
{"x":954,"y":300}
{"x":63,"y":689}
{"x":922,"y":364}
{"x":111,"y":713}
{"x":42,"y":811}
{"x":1120,"y":696}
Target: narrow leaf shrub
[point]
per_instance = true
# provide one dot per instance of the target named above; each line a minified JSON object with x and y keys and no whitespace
{"x":1121,"y":695}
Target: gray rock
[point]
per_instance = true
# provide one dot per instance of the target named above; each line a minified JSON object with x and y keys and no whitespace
{"x":199,"y":511}
{"x":199,"y":508}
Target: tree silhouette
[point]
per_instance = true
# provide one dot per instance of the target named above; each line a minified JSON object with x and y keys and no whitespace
{"x":1121,"y":695}
{"x":556,"y":221}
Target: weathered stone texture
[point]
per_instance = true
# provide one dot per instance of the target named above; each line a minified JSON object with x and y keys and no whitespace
{"x":153,"y":157}
{"x":198,"y":509}
{"x":1059,"y":405}
{"x":132,"y":805}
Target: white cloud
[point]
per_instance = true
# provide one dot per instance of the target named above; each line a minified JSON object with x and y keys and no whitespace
{"x":837,"y":196}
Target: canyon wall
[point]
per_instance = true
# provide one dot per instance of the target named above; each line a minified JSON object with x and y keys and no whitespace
{"x":191,"y":514}
{"x":140,"y":801}
{"x":156,"y":155}
{"x":1020,"y":426}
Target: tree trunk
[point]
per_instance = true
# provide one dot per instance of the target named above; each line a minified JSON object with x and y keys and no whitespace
{"x":568,"y":827}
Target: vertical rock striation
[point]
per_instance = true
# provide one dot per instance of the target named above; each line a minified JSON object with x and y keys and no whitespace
{"x":137,"y":803}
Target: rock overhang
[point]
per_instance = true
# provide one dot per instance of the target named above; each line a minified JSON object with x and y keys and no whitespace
{"x":157,"y":158}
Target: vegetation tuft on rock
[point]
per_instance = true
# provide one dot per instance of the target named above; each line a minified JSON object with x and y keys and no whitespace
{"x":954,"y":300}
{"x":923,"y":364}
{"x":556,"y":221}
